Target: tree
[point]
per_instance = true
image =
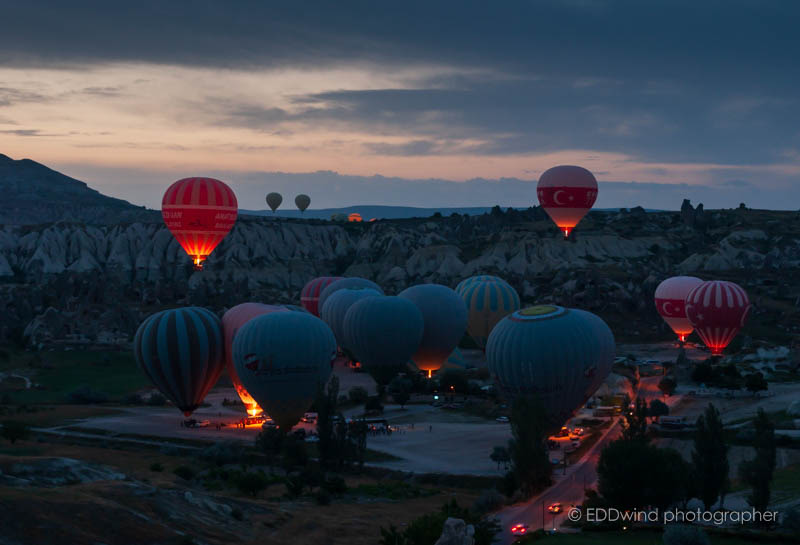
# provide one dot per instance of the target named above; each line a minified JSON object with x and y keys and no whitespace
{"x":14,"y":430}
{"x":710,"y":457}
{"x":667,"y":386}
{"x":357,"y":395}
{"x":636,"y":422}
{"x":400,"y":388}
{"x":327,"y":408}
{"x":454,"y":380}
{"x":500,"y":455}
{"x":755,"y":382}
{"x":401,"y":398}
{"x":527,"y":449}
{"x":657,"y":409}
{"x":270,"y":442}
{"x":759,"y":471}
{"x":703,"y":373}
{"x":373,"y":405}
{"x":251,"y":483}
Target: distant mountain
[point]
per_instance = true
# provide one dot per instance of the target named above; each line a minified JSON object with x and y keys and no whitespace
{"x":34,"y":194}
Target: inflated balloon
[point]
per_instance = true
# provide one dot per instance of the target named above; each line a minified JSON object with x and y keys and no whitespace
{"x":295,"y":308}
{"x":274,"y":200}
{"x":455,"y":360}
{"x":383,"y":331}
{"x":717,"y":310}
{"x":309,"y":297}
{"x":336,"y":307}
{"x":567,"y":193}
{"x":355,"y":216}
{"x":199,"y":212}
{"x":478,"y":278}
{"x":302,"y":202}
{"x":282,"y":359}
{"x":182,"y":353}
{"x":232,"y":321}
{"x":670,"y":301}
{"x":352,"y":282}
{"x":488,"y":302}
{"x":555,"y":354}
{"x":445,"y":318}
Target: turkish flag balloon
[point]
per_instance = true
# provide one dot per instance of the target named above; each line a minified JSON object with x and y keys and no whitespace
{"x":309,"y":297}
{"x":199,"y":212}
{"x":717,"y":309}
{"x":671,"y":303}
{"x":567,"y":193}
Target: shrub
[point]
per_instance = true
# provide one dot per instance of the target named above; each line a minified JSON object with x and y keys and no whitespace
{"x":155,"y":466}
{"x":14,"y":430}
{"x":373,"y":404}
{"x":489,"y":500}
{"x":156,"y":400}
{"x":84,"y":395}
{"x":335,"y":485}
{"x":294,"y":486}
{"x":358,"y":395}
{"x":133,"y":399}
{"x":251,"y":483}
{"x":677,"y":534}
{"x":322,"y":497}
{"x":222,"y":452}
{"x":184,"y":472}
{"x":237,"y":513}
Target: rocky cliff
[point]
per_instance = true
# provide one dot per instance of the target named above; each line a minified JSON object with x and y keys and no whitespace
{"x":76,"y":283}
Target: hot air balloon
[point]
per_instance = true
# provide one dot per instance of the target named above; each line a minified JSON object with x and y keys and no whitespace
{"x":309,"y":297}
{"x":282,"y":359}
{"x":182,"y":353}
{"x":455,"y":360}
{"x":383,"y":333}
{"x":295,"y":308}
{"x":232,"y":322}
{"x":488,"y":302}
{"x":558,"y":355}
{"x":567,"y":193}
{"x":717,"y":310}
{"x":671,"y":303}
{"x":352,"y":282}
{"x":336,"y":307}
{"x":478,"y":278}
{"x":445,"y":318}
{"x":274,"y":200}
{"x":302,"y":202}
{"x":199,"y":212}
{"x":355,"y":216}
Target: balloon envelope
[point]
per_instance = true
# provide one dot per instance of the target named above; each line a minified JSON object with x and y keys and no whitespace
{"x":352,"y":282}
{"x":488,"y":302}
{"x":309,"y":297}
{"x":567,"y":193}
{"x":558,"y":355}
{"x":282,"y":359}
{"x":232,"y":321}
{"x":717,"y":309}
{"x":274,"y":200}
{"x":383,"y":331}
{"x":199,"y":212}
{"x":302,"y":202}
{"x":445,"y":320}
{"x":478,"y":278}
{"x":336,"y":307}
{"x":181,"y":352}
{"x":670,"y":299}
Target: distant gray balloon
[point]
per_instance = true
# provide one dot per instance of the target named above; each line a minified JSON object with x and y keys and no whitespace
{"x":274,"y":200}
{"x":302,"y":202}
{"x":352,"y":282}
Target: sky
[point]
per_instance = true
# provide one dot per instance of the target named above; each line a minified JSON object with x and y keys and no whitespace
{"x":448,"y":103}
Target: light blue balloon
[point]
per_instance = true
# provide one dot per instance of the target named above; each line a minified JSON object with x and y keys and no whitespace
{"x":353,"y":282}
{"x":336,"y":307}
{"x":383,"y":331}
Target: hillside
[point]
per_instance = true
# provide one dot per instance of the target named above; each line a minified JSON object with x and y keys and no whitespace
{"x":35,"y":194}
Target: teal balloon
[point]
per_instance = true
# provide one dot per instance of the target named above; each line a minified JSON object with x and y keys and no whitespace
{"x":556,"y":354}
{"x":182,"y":353}
{"x":445,"y":320}
{"x":383,"y":331}
{"x":478,"y":278}
{"x":353,"y":283}
{"x":282,"y":359}
{"x":336,"y":307}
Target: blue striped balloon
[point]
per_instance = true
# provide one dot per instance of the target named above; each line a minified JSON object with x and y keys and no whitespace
{"x":352,"y":282}
{"x":181,"y":352}
{"x":282,"y":358}
{"x":383,"y":331}
{"x":556,"y":354}
{"x":488,"y":301}
{"x":477,"y":278}
{"x":336,"y":307}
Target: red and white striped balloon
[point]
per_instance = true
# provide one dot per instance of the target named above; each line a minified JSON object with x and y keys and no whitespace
{"x":567,"y":193}
{"x":717,"y":309}
{"x":670,"y":301}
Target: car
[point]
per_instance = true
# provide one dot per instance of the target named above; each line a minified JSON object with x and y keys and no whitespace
{"x":270,"y":423}
{"x":578,"y":431}
{"x":503,"y":419}
{"x":555,"y":508}
{"x":519,"y":529}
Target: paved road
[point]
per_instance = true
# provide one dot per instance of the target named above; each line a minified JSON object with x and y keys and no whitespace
{"x":568,"y":489}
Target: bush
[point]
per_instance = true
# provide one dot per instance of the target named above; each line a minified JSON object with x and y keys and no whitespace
{"x":155,"y":466}
{"x":14,"y":430}
{"x":156,"y":400}
{"x":335,"y":485}
{"x":322,"y":497}
{"x":251,"y":483}
{"x":358,"y":395}
{"x":222,"y":452}
{"x":294,"y":486}
{"x":237,"y":514}
{"x":489,"y":500}
{"x":373,"y":404}
{"x":184,"y":472}
{"x":85,"y":396}
{"x":133,"y":399}
{"x":677,"y":534}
